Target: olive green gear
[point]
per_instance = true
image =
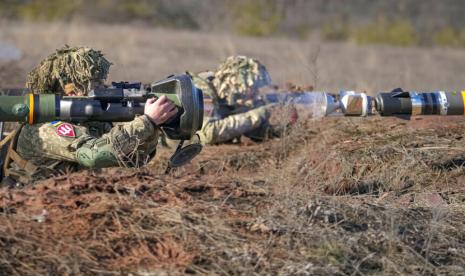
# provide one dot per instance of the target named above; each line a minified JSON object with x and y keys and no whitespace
{"x":79,"y":66}
{"x":91,"y":156}
{"x":236,"y":75}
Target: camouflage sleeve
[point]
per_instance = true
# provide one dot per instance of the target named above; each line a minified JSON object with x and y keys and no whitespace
{"x":130,"y":144}
{"x":126,"y":144}
{"x":221,"y":130}
{"x":281,"y":119}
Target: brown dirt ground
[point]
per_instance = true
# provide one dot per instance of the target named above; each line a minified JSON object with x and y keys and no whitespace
{"x":336,"y":196}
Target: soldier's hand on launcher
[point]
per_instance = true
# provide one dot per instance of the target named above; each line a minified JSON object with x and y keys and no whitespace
{"x":160,"y":110}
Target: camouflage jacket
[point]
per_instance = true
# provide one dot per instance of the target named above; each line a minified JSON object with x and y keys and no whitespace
{"x":219,"y":127}
{"x":55,"y":150}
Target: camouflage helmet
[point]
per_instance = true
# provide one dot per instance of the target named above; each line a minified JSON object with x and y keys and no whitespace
{"x":239,"y":75}
{"x":75,"y":66}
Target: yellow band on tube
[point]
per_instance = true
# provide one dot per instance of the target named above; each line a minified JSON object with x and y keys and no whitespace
{"x":31,"y":108}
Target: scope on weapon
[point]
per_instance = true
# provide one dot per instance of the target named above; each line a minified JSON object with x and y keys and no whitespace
{"x":118,"y":103}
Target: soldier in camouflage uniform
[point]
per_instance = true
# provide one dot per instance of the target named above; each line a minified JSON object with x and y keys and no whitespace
{"x":233,"y":91}
{"x":42,"y":150}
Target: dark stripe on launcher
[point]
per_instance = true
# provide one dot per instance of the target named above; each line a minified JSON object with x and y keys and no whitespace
{"x":36,"y":108}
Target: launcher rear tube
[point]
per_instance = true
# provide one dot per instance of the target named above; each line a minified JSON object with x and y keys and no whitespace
{"x":429,"y":103}
{"x":34,"y":109}
{"x":30,"y":108}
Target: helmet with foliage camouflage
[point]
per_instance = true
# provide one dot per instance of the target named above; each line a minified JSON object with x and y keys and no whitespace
{"x":239,"y":77}
{"x":78,"y":67}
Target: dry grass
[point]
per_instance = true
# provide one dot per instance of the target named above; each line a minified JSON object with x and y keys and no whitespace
{"x":308,"y":205}
{"x":337,"y":196}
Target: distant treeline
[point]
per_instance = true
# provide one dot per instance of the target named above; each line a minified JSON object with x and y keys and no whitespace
{"x":397,"y":22}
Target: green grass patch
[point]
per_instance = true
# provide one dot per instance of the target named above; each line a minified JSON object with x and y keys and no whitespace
{"x":256,"y":18}
{"x":383,"y":31}
{"x":449,"y":37}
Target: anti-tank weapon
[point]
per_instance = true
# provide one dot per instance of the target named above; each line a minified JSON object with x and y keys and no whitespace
{"x":118,"y":103}
{"x":395,"y":103}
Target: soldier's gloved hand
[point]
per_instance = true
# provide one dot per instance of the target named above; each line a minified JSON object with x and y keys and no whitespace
{"x":160,"y":110}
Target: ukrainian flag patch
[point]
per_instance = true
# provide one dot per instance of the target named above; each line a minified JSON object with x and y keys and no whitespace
{"x":56,"y":123}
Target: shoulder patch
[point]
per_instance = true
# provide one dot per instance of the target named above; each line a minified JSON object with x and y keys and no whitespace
{"x":66,"y":130}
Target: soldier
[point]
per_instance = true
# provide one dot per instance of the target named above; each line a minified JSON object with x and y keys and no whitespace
{"x":237,"y":109}
{"x":42,"y":150}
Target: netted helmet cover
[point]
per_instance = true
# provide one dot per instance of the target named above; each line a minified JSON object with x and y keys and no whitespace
{"x":78,"y":66}
{"x":238,"y":76}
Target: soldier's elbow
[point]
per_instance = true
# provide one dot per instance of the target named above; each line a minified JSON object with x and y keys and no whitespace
{"x":96,"y":157}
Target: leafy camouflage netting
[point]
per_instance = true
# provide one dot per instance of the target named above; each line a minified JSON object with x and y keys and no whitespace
{"x":70,"y":65}
{"x":236,"y":75}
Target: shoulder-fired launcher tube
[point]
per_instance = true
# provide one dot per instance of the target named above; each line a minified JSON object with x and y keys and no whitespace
{"x":397,"y":102}
{"x":410,"y":103}
{"x":29,"y":109}
{"x":33,"y":108}
{"x":114,"y":104}
{"x":415,"y":103}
